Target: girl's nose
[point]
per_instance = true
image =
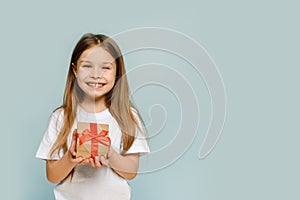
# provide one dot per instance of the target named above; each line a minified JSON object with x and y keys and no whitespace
{"x":98,"y":73}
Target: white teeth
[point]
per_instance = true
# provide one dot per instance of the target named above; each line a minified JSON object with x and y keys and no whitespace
{"x":95,"y":84}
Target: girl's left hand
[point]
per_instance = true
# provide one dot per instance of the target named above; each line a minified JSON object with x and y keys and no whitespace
{"x":100,"y":161}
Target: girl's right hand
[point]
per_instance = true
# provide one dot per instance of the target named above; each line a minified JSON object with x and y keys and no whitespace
{"x":72,"y":150}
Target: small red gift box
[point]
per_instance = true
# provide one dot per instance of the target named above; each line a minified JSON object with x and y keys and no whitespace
{"x":92,"y":139}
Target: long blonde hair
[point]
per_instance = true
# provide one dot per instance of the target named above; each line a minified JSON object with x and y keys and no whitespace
{"x":117,"y":99}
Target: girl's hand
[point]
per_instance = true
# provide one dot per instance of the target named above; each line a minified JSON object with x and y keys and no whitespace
{"x":100,"y":161}
{"x":72,"y":150}
{"x":94,"y":162}
{"x":80,"y":160}
{"x":104,"y":160}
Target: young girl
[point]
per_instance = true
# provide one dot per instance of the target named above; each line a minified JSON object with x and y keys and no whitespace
{"x":96,"y":92}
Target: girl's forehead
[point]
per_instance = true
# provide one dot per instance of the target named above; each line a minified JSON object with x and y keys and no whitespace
{"x":96,"y":55}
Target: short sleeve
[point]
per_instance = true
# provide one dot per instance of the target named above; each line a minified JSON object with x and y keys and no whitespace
{"x":140,"y":144}
{"x":52,"y":131}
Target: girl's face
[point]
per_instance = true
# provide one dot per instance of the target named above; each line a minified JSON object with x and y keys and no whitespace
{"x":95,"y":71}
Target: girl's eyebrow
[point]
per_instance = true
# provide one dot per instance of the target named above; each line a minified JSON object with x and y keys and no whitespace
{"x":110,"y":63}
{"x":85,"y":61}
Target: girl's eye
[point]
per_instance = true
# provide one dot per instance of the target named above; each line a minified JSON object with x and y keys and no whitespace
{"x":87,"y":66}
{"x":105,"y":67}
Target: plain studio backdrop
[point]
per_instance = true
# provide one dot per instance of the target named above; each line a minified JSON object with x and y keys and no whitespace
{"x":254,"y":44}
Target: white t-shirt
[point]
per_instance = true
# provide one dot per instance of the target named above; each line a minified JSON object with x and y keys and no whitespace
{"x":90,"y":183}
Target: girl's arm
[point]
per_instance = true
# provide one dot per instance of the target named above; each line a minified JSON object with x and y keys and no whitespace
{"x":124,"y":165}
{"x":58,"y":170}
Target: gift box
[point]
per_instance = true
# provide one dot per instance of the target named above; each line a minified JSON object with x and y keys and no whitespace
{"x":92,"y":139}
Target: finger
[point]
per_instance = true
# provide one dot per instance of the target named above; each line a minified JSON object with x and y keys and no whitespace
{"x":73,"y":143}
{"x":72,"y":153}
{"x":74,"y":135}
{"x":92,"y":162}
{"x":98,"y":164}
{"x":85,"y":161}
{"x":110,"y":152}
{"x":78,"y":160}
{"x":104,"y":161}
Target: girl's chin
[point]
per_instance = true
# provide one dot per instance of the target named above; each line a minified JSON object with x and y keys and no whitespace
{"x":95,"y":96}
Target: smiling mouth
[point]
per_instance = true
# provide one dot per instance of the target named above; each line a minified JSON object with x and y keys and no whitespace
{"x":95,"y":85}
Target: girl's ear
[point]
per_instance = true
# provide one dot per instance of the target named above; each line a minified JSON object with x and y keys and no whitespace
{"x":74,"y":69}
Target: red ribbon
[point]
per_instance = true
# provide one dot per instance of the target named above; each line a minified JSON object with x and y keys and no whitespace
{"x":95,"y":138}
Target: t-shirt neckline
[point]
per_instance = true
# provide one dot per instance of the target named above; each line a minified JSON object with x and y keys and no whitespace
{"x":81,"y":111}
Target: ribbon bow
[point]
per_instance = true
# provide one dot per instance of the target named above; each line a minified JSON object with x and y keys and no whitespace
{"x":95,"y":138}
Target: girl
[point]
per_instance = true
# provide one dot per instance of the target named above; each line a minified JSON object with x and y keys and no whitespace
{"x":96,"y":92}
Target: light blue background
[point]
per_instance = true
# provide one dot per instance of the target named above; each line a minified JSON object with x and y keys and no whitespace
{"x":255,"y":45}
